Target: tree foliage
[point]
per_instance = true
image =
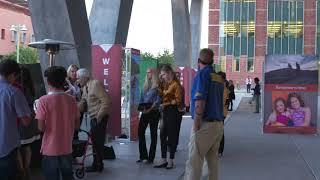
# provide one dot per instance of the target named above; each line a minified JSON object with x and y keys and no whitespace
{"x":27,"y":55}
{"x":165,"y":57}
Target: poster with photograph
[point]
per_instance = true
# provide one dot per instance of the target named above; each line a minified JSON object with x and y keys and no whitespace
{"x":290,"y":94}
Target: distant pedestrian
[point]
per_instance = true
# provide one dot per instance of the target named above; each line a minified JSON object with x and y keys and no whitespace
{"x":58,"y":116}
{"x":232,"y":95}
{"x":248,"y":83}
{"x":207,"y":113}
{"x":256,"y":94}
{"x":13,"y":106}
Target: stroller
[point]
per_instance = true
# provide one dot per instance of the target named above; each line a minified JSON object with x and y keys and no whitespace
{"x":80,"y":149}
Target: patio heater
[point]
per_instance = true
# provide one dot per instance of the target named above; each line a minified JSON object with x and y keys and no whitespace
{"x":52,"y":47}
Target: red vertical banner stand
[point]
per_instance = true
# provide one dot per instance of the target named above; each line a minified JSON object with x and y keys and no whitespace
{"x":107,"y":67}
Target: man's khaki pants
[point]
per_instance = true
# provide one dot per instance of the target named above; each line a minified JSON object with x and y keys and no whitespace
{"x":204,"y":144}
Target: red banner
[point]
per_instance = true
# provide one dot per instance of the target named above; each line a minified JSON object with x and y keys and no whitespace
{"x":106,"y":67}
{"x":186,"y":81}
{"x":134,"y":93}
{"x":292,"y":87}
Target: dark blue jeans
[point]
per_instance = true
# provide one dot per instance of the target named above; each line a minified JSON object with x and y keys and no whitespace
{"x":55,"y":167}
{"x":8,"y":166}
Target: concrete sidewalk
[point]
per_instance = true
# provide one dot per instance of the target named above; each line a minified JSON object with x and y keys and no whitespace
{"x":249,"y":154}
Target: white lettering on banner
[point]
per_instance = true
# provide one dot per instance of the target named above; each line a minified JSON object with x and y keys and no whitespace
{"x":105,"y":61}
{"x":105,"y":82}
{"x":106,"y":72}
{"x":290,"y":88}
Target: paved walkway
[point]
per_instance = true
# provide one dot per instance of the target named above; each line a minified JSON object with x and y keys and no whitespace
{"x":249,"y":154}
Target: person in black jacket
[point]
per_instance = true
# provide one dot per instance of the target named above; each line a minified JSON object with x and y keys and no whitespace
{"x":256,"y":94}
{"x":232,"y":96}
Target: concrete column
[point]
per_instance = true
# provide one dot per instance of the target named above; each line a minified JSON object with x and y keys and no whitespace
{"x":109,"y":21}
{"x":181,"y":32}
{"x":195,"y":24}
{"x":64,"y":20}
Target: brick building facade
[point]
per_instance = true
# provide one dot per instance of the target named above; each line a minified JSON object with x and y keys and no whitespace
{"x":14,"y":13}
{"x":242,"y":32}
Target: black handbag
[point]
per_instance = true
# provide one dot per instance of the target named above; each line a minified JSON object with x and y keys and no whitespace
{"x":144,"y":106}
{"x":108,"y":153}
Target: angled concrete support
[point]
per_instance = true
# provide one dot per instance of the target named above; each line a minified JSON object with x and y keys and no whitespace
{"x":181,"y":32}
{"x":64,"y":20}
{"x":109,"y":21}
{"x":195,"y":23}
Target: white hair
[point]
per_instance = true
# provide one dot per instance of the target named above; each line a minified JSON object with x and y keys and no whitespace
{"x":83,"y":73}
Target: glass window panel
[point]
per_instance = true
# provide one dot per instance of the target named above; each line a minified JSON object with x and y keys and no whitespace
{"x":252,"y":10}
{"x":237,"y":11}
{"x":318,"y":45}
{"x":236,"y":49}
{"x":318,"y":14}
{"x":236,"y":64}
{"x":292,"y":45}
{"x":244,"y":15}
{"x":277,"y":46}
{"x":292,"y":11}
{"x":300,"y":11}
{"x":285,"y":11}
{"x":270,"y":45}
{"x":244,"y":42}
{"x":230,"y":11}
{"x":299,"y":47}
{"x":244,"y":30}
{"x":223,"y":11}
{"x":278,"y":10}
{"x":250,"y":66}
{"x":285,"y":44}
{"x":271,"y":11}
{"x":223,"y":46}
{"x":229,"y":45}
{"x":250,"y":46}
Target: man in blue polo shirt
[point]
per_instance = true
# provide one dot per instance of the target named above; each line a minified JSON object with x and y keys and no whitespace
{"x":13,"y":105}
{"x":207,"y":113}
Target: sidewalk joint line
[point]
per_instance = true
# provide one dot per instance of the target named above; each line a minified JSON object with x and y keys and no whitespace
{"x":304,"y":159}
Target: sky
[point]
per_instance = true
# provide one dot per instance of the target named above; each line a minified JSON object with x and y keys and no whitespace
{"x":151,"y":25}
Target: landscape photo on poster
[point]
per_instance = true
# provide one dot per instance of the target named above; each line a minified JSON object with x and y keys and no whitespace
{"x":291,"y":69}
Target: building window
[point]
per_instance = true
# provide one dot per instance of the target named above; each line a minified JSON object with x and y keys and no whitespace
{"x":250,"y":65}
{"x":3,"y":33}
{"x":236,"y":64}
{"x":237,"y":30}
{"x":285,"y":27}
{"x":32,"y":38}
{"x":13,"y":36}
{"x":23,"y":37}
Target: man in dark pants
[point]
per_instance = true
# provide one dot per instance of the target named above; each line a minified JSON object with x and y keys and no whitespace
{"x":225,"y":107}
{"x":13,"y":105}
{"x":99,"y":104}
{"x":248,"y":83}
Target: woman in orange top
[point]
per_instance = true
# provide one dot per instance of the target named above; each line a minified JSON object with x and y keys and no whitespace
{"x":171,"y":102}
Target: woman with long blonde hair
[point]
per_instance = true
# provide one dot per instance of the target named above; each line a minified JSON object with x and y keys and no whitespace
{"x":149,"y":106}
